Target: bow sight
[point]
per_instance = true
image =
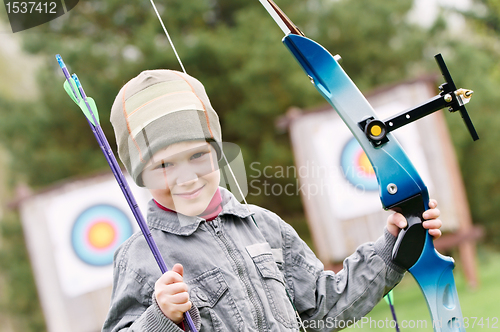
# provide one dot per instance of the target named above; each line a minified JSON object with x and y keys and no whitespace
{"x":455,"y":99}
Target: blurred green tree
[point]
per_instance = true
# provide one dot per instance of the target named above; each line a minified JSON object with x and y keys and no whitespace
{"x":475,"y":52}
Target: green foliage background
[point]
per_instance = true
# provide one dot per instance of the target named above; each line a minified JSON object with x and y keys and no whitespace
{"x":233,"y":47}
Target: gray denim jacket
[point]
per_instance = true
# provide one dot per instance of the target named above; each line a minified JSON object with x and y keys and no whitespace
{"x":237,"y":273}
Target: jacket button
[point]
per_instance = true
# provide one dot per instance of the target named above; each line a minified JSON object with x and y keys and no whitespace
{"x":202,"y":296}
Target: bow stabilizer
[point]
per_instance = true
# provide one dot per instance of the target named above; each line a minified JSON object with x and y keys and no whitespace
{"x":400,"y":186}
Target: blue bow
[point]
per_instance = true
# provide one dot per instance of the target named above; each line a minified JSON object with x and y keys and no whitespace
{"x":401,"y":187}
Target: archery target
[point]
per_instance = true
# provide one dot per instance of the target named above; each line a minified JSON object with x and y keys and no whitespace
{"x":97,"y":232}
{"x":356,"y":167}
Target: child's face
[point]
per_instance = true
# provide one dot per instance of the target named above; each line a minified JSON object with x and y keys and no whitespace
{"x":183,"y":177}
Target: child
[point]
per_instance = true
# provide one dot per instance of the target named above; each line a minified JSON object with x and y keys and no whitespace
{"x":233,"y":268}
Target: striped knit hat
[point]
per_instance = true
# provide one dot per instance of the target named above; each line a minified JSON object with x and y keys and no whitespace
{"x":158,"y":108}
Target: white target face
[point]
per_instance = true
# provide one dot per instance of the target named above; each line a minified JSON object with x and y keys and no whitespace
{"x":87,"y":222}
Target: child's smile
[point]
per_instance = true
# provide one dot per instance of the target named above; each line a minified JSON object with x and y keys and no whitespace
{"x":183,"y":177}
{"x":191,"y":194}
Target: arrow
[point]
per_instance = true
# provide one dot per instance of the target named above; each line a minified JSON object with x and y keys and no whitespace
{"x":75,"y":90}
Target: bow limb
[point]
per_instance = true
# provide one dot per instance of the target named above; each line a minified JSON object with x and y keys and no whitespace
{"x":280,"y":18}
{"x":438,"y":286}
{"x":400,"y":186}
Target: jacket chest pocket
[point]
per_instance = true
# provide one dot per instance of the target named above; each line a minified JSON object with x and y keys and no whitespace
{"x":273,"y":284}
{"x":210,"y":294}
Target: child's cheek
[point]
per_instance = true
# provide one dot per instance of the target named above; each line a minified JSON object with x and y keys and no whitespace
{"x":213,"y":178}
{"x":155,"y":179}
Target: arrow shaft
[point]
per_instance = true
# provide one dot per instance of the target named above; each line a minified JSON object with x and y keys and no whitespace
{"x":67,"y":75}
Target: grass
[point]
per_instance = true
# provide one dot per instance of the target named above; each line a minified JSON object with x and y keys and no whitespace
{"x":480,"y":307}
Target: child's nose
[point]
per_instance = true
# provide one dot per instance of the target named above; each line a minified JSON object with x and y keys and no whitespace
{"x":186,"y":177}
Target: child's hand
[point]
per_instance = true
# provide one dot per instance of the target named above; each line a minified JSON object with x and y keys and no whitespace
{"x":397,"y":221}
{"x":172,"y":294}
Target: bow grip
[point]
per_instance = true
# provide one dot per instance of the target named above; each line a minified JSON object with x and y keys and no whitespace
{"x":410,"y":242}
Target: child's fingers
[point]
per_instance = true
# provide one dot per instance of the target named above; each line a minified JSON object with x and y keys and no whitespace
{"x":179,"y":298}
{"x":178,"y":287}
{"x":172,"y":298}
{"x":398,"y":220}
{"x":395,"y":222}
{"x":170,"y":277}
{"x":435,"y":233}
{"x":177,"y":314}
{"x":174,"y":312}
{"x":432,"y":224}
{"x":431,"y":214}
{"x":178,"y":268}
{"x":432,"y":203}
{"x":184,"y":307}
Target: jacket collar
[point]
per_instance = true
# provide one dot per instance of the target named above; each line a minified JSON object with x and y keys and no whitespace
{"x":180,"y":224}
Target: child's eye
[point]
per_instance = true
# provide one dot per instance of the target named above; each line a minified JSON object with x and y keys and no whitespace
{"x":163,"y":164}
{"x":198,"y":155}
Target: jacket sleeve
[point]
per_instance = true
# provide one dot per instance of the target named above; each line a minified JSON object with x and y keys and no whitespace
{"x":134,"y":307}
{"x":343,"y":298}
